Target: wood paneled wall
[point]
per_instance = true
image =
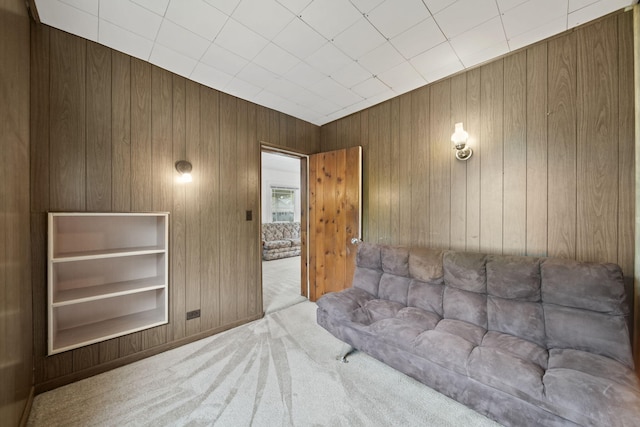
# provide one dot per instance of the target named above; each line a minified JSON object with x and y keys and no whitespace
{"x":552,"y":130}
{"x":107,"y":129}
{"x":16,"y":343}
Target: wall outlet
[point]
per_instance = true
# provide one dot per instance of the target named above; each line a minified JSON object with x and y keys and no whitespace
{"x":193,"y":314}
{"x":249,"y":215}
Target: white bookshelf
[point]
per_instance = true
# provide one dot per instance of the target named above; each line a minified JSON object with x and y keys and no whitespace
{"x":107,"y":276}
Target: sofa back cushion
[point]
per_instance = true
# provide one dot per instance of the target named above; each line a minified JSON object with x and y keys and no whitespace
{"x":586,"y":300}
{"x":395,"y":260}
{"x":465,"y":294}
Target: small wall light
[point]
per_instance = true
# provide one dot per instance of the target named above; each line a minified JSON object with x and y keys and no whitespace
{"x":459,"y":139}
{"x":184,"y":169}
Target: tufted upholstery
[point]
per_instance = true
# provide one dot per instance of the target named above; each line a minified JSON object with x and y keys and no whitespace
{"x":280,"y":240}
{"x":524,"y":340}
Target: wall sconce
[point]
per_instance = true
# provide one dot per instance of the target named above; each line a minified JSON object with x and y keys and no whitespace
{"x":184,"y":169}
{"x":459,"y":139}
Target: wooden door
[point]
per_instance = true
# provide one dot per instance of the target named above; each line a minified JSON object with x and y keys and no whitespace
{"x":335,"y":182}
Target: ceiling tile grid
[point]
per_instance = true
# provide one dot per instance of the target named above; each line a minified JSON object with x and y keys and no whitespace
{"x":318,"y":60}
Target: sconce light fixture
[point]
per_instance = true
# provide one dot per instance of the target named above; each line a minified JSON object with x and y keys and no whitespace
{"x":184,"y":169}
{"x":459,"y":139}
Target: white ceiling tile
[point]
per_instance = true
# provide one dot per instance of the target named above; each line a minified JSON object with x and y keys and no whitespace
{"x":181,"y":40}
{"x":351,"y":75}
{"x":171,"y":60}
{"x":304,"y":75}
{"x":89,"y":6}
{"x":257,"y":75}
{"x":366,"y":6}
{"x":431,"y":63}
{"x":463,"y":15}
{"x":320,"y":105}
{"x":290,"y":90}
{"x":125,"y":41}
{"x":370,"y":88}
{"x":226,"y":6}
{"x":330,"y":17}
{"x":223,"y":60}
{"x":299,"y":39}
{"x":479,"y":38}
{"x":342,"y":96}
{"x":382,"y":97}
{"x":241,"y":89}
{"x":158,"y":7}
{"x":537,"y":34}
{"x":418,"y":38}
{"x":484,"y":55}
{"x":265,"y":17}
{"x":436,"y":6}
{"x":295,"y":6}
{"x":579,"y":4}
{"x":381,"y":59}
{"x":275,"y":102}
{"x":358,"y":39}
{"x":132,"y":17}
{"x":210,"y":76}
{"x":68,"y":18}
{"x":594,"y":11}
{"x":402,"y":78}
{"x":328,"y":59}
{"x":197,"y":16}
{"x":240,"y":40}
{"x":505,"y":5}
{"x":276,"y":59}
{"x":396,"y":16}
{"x":532,"y":14}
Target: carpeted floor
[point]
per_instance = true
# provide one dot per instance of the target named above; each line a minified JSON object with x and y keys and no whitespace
{"x":281,"y":283}
{"x":277,"y":371}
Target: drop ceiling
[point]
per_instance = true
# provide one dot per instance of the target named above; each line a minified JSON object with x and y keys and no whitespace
{"x":318,"y":60}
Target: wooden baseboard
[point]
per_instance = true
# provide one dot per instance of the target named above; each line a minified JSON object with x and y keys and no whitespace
{"x":27,"y":408}
{"x":95,"y":370}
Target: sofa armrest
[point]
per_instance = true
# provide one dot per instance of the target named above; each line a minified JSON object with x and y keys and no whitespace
{"x":344,"y":305}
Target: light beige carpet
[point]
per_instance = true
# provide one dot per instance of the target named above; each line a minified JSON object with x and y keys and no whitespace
{"x":277,"y":371}
{"x":281,"y":283}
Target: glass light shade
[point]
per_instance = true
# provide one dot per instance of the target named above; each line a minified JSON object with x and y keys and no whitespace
{"x":185,"y":177}
{"x":460,"y":136}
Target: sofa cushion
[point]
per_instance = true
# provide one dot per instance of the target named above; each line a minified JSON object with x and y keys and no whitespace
{"x":597,"y":333}
{"x":521,"y":319}
{"x":344,"y":305}
{"x":369,"y":256}
{"x":295,"y":242}
{"x":367,"y":279}
{"x":402,"y":330}
{"x":426,"y":265}
{"x":462,"y":305}
{"x":395,"y":260}
{"x":593,"y":364}
{"x":590,"y":399}
{"x":582,"y":285}
{"x":427,"y":296}
{"x":277,"y":244}
{"x":394,"y":288}
{"x":466,"y":271}
{"x":507,"y":371}
{"x":378,"y":309}
{"x":470,"y":332}
{"x":442,"y":348}
{"x":521,"y":348}
{"x":514,"y":277}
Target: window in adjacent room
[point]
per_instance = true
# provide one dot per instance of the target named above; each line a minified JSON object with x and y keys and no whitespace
{"x":283,"y":204}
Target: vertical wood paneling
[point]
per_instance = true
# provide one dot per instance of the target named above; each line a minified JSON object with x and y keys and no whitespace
{"x":491,"y":157}
{"x":98,"y":138}
{"x":67,"y":122}
{"x":383,"y":173}
{"x":254,"y":252}
{"x":371,"y":164}
{"x":473,"y":164}
{"x":178,"y":218}
{"x":394,"y":166}
{"x":562,"y":147}
{"x":439,"y":213}
{"x":597,"y":136}
{"x":141,"y":162}
{"x":515,"y":154}
{"x":458,"y":230}
{"x":420,"y":164}
{"x":537,"y":150}
{"x":192,"y":206}
{"x":209,"y":209}
{"x":405,"y":209}
{"x":121,"y":132}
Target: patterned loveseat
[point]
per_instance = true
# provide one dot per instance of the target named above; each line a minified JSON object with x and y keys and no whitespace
{"x":280,"y":240}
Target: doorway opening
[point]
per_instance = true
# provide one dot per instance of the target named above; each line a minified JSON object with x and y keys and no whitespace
{"x":283,"y":226}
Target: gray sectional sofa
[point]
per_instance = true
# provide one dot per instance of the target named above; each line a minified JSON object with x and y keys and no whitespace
{"x":526,"y":341}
